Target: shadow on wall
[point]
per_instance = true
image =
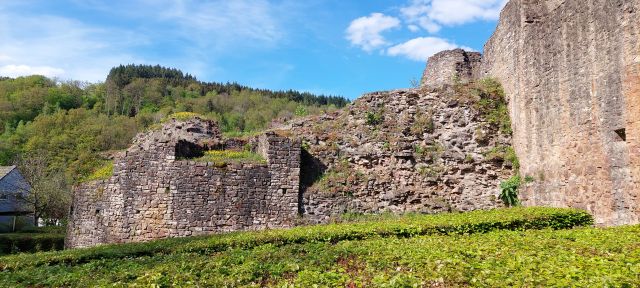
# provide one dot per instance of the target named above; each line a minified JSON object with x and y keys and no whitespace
{"x":311,"y":171}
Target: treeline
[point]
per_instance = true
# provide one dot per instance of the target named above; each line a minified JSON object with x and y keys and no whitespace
{"x":131,"y":88}
{"x":72,"y":126}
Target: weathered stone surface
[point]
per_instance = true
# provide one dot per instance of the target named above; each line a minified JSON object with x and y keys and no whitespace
{"x":451,"y":66}
{"x":571,"y":69}
{"x":427,"y":154}
{"x":154,"y":194}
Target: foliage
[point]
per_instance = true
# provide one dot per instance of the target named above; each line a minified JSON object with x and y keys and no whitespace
{"x":493,"y":104}
{"x":509,"y":191}
{"x":387,"y":251}
{"x":182,"y":116}
{"x":431,"y":152}
{"x":504,"y":153}
{"x":423,"y":123}
{"x":529,"y":179}
{"x":103,"y":173}
{"x":72,"y":124}
{"x":131,"y":88}
{"x":46,"y":193}
{"x":221,"y":158}
{"x":339,"y":179}
{"x":36,"y":241}
{"x":374,"y":118}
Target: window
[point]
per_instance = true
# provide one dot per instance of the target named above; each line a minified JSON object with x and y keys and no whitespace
{"x":622,"y":134}
{"x":4,"y":196}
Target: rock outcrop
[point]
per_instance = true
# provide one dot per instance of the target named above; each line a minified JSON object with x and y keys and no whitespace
{"x":571,"y":70}
{"x":413,"y":150}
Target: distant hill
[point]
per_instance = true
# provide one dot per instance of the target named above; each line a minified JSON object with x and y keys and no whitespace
{"x":123,"y":80}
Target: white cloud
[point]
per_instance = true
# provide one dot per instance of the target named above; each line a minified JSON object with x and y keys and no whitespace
{"x":431,"y":15}
{"x":420,"y":49}
{"x":366,"y":32}
{"x":5,"y":58}
{"x":196,"y":33}
{"x":25,"y":70}
{"x":61,"y":47}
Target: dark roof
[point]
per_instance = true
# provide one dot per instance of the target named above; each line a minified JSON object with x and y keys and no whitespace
{"x":5,"y":170}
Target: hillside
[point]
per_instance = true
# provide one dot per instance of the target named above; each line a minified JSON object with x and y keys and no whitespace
{"x":499,"y":248}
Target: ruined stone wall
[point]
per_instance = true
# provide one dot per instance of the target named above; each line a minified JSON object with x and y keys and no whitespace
{"x":153,"y":195}
{"x":427,"y":154}
{"x":449,"y":66}
{"x":571,"y":69}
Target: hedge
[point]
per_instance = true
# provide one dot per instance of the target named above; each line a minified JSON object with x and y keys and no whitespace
{"x":517,"y":219}
{"x":30,"y":242}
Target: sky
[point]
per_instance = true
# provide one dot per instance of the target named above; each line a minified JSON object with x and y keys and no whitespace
{"x":336,"y":47}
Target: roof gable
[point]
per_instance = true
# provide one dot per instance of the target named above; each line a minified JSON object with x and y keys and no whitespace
{"x":5,"y":170}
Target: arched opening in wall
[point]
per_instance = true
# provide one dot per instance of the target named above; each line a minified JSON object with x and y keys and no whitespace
{"x":188,"y":150}
{"x":622,"y":134}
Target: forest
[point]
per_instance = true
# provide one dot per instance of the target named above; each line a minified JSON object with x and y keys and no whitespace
{"x":58,"y":132}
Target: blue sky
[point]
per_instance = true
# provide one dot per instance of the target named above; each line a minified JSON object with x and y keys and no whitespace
{"x":337,"y":47}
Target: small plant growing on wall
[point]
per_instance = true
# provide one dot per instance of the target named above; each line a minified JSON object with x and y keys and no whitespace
{"x":374,"y":119}
{"x":509,"y":191}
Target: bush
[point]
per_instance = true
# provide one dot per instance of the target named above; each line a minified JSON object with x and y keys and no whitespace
{"x":504,"y":153}
{"x":374,"y":119}
{"x":30,"y":242}
{"x":509,"y":191}
{"x":408,"y":226}
{"x":493,"y":104}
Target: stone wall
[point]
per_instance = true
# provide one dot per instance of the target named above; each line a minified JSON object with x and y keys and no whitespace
{"x":428,"y":153}
{"x":571,"y":69}
{"x":449,"y":66}
{"x":153,"y":194}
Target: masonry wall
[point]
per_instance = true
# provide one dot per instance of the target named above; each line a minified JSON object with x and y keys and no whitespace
{"x":571,"y":69}
{"x":449,"y":66}
{"x":153,"y":195}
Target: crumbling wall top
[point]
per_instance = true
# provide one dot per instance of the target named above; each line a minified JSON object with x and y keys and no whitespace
{"x":196,"y":131}
{"x":449,"y":66}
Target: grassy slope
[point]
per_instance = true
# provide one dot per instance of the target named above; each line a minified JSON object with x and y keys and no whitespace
{"x":393,"y":252}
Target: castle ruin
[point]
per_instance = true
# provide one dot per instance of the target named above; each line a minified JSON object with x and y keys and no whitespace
{"x":158,"y":191}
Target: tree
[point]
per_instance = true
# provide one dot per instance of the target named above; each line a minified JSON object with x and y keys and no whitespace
{"x":49,"y":196}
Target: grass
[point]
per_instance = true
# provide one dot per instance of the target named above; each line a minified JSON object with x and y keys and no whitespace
{"x":222,"y":158}
{"x":377,"y":250}
{"x":182,"y":116}
{"x":103,"y":173}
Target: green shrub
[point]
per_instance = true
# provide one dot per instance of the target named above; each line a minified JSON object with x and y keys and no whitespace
{"x":374,"y":119}
{"x":504,"y":153}
{"x":407,"y":226}
{"x":30,"y":242}
{"x":509,"y":191}
{"x":423,"y":123}
{"x":493,"y":104}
